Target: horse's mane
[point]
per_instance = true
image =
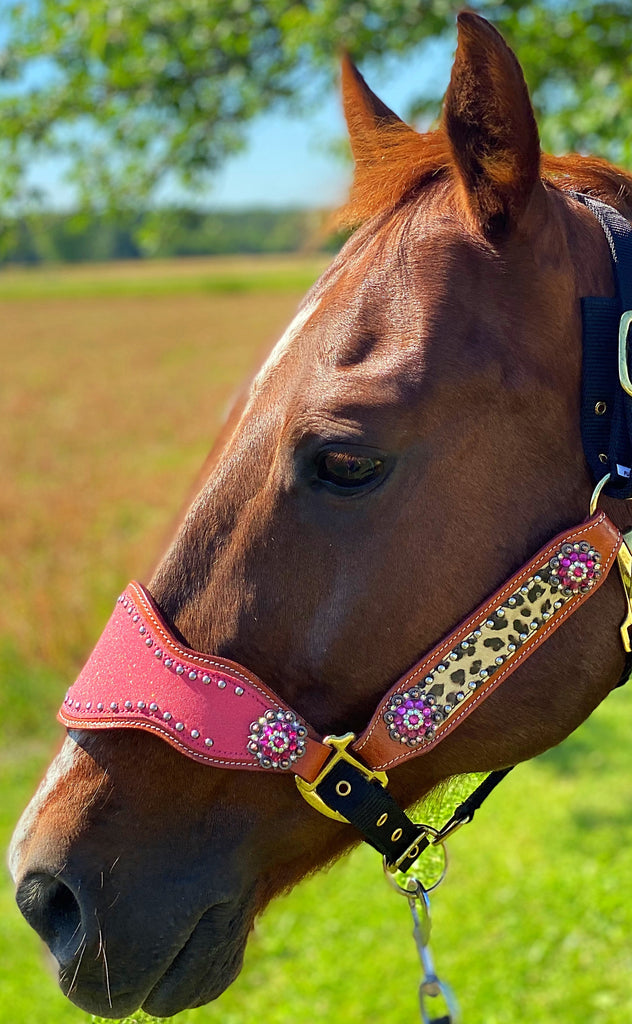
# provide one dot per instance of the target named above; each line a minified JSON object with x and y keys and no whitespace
{"x":394,"y":162}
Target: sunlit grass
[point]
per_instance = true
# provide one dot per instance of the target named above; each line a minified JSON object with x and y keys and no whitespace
{"x":187,"y":276}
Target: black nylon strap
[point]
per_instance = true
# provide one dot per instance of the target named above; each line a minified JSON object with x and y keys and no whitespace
{"x":367,"y":802}
{"x":607,"y":434}
{"x":364,"y":805}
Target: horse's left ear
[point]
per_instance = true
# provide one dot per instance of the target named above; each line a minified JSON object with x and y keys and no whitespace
{"x":491,"y":127}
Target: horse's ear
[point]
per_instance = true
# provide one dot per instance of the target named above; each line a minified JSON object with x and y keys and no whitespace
{"x":491,"y":127}
{"x":365,"y":113}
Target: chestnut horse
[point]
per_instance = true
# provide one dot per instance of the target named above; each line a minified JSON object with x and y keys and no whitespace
{"x":411,"y":440}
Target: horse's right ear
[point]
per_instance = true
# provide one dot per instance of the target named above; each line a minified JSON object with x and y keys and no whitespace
{"x":491,"y":127}
{"x":365,"y":114}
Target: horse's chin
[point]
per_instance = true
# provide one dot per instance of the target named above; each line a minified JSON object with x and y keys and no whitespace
{"x":204,"y":967}
{"x":201,"y":971}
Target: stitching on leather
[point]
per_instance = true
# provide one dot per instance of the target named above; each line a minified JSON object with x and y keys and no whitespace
{"x":223,"y":667}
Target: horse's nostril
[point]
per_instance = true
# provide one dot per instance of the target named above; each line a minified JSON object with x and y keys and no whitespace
{"x":52,"y":910}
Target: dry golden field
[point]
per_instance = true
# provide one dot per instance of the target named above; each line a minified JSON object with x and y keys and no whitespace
{"x":108,"y":406}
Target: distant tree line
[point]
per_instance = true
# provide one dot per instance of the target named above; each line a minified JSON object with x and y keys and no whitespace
{"x":72,"y":237}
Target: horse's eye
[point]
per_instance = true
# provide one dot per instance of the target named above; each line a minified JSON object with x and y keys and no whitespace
{"x":348,"y":470}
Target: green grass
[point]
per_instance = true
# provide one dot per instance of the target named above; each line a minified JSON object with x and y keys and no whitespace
{"x":191,"y":276}
{"x":532,"y":924}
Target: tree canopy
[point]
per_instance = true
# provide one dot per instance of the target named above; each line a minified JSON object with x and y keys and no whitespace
{"x":129,"y":94}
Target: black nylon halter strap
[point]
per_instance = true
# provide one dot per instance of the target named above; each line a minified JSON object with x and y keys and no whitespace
{"x":606,"y":408}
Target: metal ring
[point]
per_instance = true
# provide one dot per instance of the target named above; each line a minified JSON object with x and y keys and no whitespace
{"x":597,"y":491}
{"x":417,"y":885}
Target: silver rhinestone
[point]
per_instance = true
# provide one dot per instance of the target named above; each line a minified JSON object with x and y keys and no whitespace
{"x":464,"y":645}
{"x":558,"y":604}
{"x":221,"y":684}
{"x":538,"y":579}
{"x":192,"y":676}
{"x":179,"y":726}
{"x":447,"y":708}
{"x":206,"y":679}
{"x":124,"y":599}
{"x":489,"y":623}
{"x":441,"y":667}
{"x":153,"y":707}
{"x":141,"y":705}
{"x":208,"y":742}
{"x":499,"y":660}
{"x":453,"y":656}
{"x":428,"y":680}
{"x":128,"y":704}
{"x":130,"y":610}
{"x":77,"y":704}
{"x":500,"y":613}
{"x":180,"y":670}
{"x":511,"y":647}
{"x":535,"y":624}
{"x":239,"y":690}
{"x":167,"y":716}
{"x":88,"y":705}
{"x":158,"y":653}
{"x":546,"y":616}
{"x":483,"y":673}
{"x":195,"y":734}
{"x":114,"y":706}
{"x":524,"y":590}
{"x":472,"y":685}
{"x":149,"y":641}
{"x":136,"y":617}
{"x":477,"y":634}
{"x":99,"y":706}
{"x":460,"y":695}
{"x":142,"y":630}
{"x":511,"y":601}
{"x":168,"y":662}
{"x":523,"y":636}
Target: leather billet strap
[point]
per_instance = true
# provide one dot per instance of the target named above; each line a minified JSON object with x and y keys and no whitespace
{"x":213,"y":710}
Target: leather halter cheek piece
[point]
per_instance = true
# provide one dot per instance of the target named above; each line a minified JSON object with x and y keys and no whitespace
{"x":215,"y":711}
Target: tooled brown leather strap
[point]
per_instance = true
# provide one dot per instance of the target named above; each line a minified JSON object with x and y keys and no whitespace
{"x":460,"y":672}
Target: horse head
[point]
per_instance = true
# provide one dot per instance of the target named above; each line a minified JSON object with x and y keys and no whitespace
{"x":412,"y":438}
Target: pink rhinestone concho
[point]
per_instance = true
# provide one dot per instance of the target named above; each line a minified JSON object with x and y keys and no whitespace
{"x":413,"y":716}
{"x":575,"y":568}
{"x":277,"y":739}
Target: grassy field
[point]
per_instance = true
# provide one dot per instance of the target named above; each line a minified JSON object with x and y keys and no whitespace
{"x":114,"y":382}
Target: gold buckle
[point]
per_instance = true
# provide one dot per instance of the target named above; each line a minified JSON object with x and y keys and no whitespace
{"x":624,"y":563}
{"x":624,"y":554}
{"x":624,"y":330}
{"x":308,"y":789}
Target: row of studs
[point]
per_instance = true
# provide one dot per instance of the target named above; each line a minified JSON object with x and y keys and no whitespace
{"x":168,"y":662}
{"x":141,"y":705}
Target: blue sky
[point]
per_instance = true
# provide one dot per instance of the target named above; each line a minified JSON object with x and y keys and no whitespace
{"x":286,"y":160}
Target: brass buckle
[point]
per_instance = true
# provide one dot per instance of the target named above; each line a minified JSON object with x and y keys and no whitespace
{"x":624,"y":330}
{"x":308,"y":789}
{"x":624,"y":563}
{"x":624,"y":554}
